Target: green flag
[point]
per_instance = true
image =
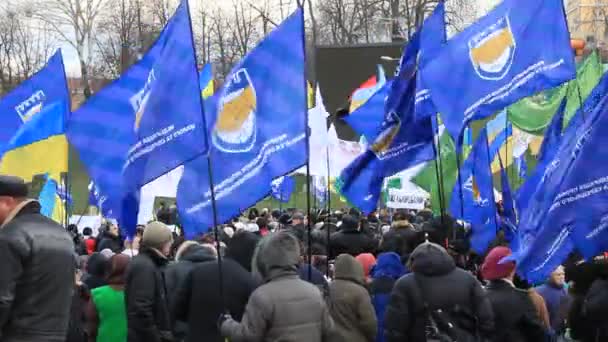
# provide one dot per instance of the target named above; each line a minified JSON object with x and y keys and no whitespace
{"x":534,"y":113}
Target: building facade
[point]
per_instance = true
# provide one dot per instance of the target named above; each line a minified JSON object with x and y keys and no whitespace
{"x":588,"y":20}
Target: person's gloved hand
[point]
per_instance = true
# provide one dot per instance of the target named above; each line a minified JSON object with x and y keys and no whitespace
{"x":223,"y":318}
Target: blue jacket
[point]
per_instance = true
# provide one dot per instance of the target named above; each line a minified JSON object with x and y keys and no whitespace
{"x":555,"y":298}
{"x":387,"y":270}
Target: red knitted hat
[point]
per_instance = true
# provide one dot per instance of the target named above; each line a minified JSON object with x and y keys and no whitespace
{"x":492,"y":269}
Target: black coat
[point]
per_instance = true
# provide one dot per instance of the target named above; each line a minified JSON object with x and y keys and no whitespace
{"x":351,"y":242}
{"x":199,"y":302}
{"x":148,"y":318}
{"x":113,"y":243}
{"x":399,"y":239}
{"x":36,"y":278}
{"x":589,"y":316}
{"x":175,"y":276}
{"x":515,"y":317}
{"x":445,"y":287}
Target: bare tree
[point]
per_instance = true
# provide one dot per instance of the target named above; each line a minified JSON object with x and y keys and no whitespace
{"x":75,"y":22}
{"x":25,"y":45}
{"x":117,"y":40}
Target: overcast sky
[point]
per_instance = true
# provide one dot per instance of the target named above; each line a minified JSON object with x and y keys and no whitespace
{"x":73,"y":67}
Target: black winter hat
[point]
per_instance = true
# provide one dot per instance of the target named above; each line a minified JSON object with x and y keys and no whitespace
{"x":12,"y":186}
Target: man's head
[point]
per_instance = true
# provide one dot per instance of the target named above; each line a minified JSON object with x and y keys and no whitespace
{"x":297,"y":218}
{"x":493,"y":269}
{"x":13,"y":191}
{"x":113,"y":230}
{"x":158,"y":236}
{"x":558,"y":277}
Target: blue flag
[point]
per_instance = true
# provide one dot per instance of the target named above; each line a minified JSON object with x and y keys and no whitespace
{"x":64,"y":195}
{"x":477,"y":206}
{"x":568,"y":210}
{"x":257,"y":122}
{"x":552,"y":244}
{"x":47,"y":86}
{"x":433,"y":36}
{"x":367,"y":119}
{"x":144,"y":124}
{"x":499,"y":60}
{"x":551,"y":143}
{"x":47,"y":197}
{"x":282,"y":187}
{"x":400,"y":143}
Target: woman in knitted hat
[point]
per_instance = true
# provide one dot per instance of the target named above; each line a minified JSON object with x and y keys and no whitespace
{"x":515,"y":317}
{"x":145,"y":290}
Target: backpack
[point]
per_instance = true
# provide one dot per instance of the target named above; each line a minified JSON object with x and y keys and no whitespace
{"x":446,"y":325}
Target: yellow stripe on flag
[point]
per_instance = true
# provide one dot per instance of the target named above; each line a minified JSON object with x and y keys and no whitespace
{"x":311,"y":95}
{"x":45,"y":156}
{"x":58,"y":211}
{"x":209,"y":89}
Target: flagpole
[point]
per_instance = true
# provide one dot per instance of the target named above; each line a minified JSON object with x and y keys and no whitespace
{"x":439,"y":171}
{"x":327,"y":219}
{"x":307,"y":132}
{"x":216,"y":233}
{"x":458,"y":150}
{"x":492,"y":183}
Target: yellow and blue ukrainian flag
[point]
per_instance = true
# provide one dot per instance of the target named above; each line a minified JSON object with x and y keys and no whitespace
{"x":206,"y":81}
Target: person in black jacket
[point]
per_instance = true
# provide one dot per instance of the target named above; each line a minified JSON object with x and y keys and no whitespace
{"x":36,"y":269}
{"x":401,"y":237}
{"x":445,"y":287}
{"x":111,"y":240}
{"x":199,"y":303}
{"x":148,"y":317}
{"x":349,"y":240}
{"x":188,"y":256}
{"x":595,"y":309}
{"x":97,"y":265}
{"x":516,"y":319}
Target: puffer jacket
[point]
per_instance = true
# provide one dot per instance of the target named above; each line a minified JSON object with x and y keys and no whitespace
{"x":350,"y":303}
{"x":445,"y":287}
{"x":36,"y":277}
{"x":284,"y":308}
{"x":148,"y":317}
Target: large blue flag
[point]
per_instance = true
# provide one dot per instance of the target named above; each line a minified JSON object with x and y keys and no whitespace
{"x":47,"y":86}
{"x":257,"y":122}
{"x":473,"y":201}
{"x":551,"y":143}
{"x":401,"y":141}
{"x":433,"y":36}
{"x":543,"y":246}
{"x":568,"y":210}
{"x":282,"y":187}
{"x":146,"y":123}
{"x":499,"y":60}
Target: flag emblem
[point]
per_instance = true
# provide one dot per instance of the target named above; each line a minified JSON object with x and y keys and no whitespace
{"x":139,"y":100}
{"x":492,"y":50}
{"x":388,"y":134}
{"x":235,"y":128}
{"x":31,"y":106}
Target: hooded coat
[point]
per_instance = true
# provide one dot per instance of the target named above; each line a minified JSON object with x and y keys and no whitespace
{"x":445,"y":287}
{"x":350,"y":303}
{"x":97,"y":265}
{"x":284,"y":308}
{"x":384,"y":274}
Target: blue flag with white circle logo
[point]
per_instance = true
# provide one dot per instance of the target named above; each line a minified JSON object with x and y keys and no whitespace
{"x":516,"y":50}
{"x":257,"y":130}
{"x":144,"y":124}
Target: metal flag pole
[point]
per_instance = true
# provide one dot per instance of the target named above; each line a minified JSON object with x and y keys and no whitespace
{"x":327,"y":219}
{"x":307,"y":132}
{"x":216,"y":233}
{"x":439,"y":171}
{"x":458,"y":150}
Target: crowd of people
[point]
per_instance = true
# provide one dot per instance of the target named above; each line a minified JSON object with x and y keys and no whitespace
{"x":409,"y":276}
